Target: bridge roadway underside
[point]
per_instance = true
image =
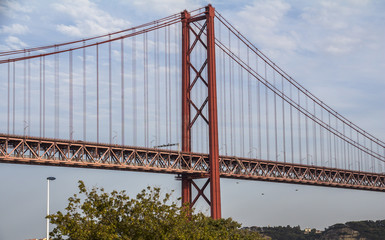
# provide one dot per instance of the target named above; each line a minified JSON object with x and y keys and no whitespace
{"x":56,"y":152}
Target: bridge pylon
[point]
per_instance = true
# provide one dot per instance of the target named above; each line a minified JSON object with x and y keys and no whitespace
{"x":213,"y":181}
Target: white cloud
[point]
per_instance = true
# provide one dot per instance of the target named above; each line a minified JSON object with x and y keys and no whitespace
{"x":88,"y":19}
{"x":166,"y":6}
{"x":14,"y":29}
{"x":341,"y":44}
{"x":336,"y":27}
{"x":263,"y":21}
{"x":15,"y":6}
{"x":15,"y":10}
{"x":15,"y":43}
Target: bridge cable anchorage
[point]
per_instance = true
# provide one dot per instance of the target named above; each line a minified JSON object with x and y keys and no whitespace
{"x":275,"y":130}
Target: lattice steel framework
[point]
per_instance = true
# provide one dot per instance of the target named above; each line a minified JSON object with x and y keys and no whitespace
{"x":210,"y":101}
{"x":56,"y":152}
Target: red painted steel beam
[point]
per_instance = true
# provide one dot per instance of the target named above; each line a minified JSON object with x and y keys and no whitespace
{"x":186,"y":130}
{"x":215,"y":193}
{"x":65,"y":153}
{"x":211,"y":102}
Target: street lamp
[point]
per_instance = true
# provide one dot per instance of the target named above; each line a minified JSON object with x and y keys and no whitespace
{"x":48,"y":179}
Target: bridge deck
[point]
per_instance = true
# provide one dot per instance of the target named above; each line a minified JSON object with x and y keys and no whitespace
{"x":55,"y":152}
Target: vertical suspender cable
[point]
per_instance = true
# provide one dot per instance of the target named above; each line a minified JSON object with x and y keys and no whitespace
{"x":250,"y":105}
{"x":169,"y":82}
{"x":224,"y":101}
{"x":267,"y":119}
{"x":134,"y":109}
{"x":97,"y":93}
{"x":365,"y":166}
{"x":157,"y":90}
{"x":84,"y":94}
{"x":110,"y":90}
{"x":8,"y":102}
{"x":372,"y":162}
{"x":283,"y":123}
{"x":122,"y":86}
{"x":299,"y":129}
{"x":344,"y":147}
{"x":29,"y":96}
{"x":259,"y":133}
{"x":335,"y":149}
{"x":307,"y":133}
{"x":43,"y":96}
{"x":241,"y":102}
{"x":145,"y":90}
{"x":166,"y":82}
{"x":40,"y":97}
{"x":71,"y":119}
{"x":329,"y":150}
{"x":231,"y":99}
{"x":359,"y":159}
{"x":221,"y":97}
{"x":321,"y":140}
{"x":336,"y":140}
{"x":56,"y":93}
{"x":314,"y":136}
{"x":25,"y":97}
{"x":357,"y":154}
{"x":14,"y":98}
{"x":147,"y":96}
{"x":57,"y":97}
{"x":220,"y":123}
{"x":349,"y":148}
{"x":275,"y":121}
{"x":291,"y":126}
{"x":177,"y":56}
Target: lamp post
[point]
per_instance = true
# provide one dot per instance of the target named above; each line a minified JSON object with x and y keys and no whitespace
{"x":48,"y":179}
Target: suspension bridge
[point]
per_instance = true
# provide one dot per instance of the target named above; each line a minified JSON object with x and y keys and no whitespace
{"x":187,"y":95}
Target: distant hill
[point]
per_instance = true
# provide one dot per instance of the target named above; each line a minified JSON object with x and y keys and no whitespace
{"x":360,"y":230}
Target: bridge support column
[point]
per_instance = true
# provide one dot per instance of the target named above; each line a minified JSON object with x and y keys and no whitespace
{"x":186,"y":130}
{"x":211,"y":100}
{"x":215,"y":194}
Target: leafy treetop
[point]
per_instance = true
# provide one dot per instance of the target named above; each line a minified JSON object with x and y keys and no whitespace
{"x":96,"y":214}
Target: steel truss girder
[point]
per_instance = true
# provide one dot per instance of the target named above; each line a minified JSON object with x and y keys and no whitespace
{"x":56,"y":152}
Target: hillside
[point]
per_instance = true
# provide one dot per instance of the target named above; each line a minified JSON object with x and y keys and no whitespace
{"x":359,"y":230}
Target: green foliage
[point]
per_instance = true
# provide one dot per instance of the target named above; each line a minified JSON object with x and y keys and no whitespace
{"x":95,"y":214}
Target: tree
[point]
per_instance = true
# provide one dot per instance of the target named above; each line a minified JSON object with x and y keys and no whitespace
{"x":95,"y":214}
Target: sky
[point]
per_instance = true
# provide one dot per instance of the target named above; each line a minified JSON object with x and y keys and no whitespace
{"x":335,"y":49}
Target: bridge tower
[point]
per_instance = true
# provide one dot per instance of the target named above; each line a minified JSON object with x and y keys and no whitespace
{"x":211,"y":102}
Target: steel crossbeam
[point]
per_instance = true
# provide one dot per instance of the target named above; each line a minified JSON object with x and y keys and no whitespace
{"x":52,"y":152}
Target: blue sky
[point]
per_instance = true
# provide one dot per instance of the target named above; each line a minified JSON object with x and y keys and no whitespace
{"x":335,"y":49}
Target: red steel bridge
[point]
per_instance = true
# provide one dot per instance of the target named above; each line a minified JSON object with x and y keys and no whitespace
{"x":187,"y":95}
